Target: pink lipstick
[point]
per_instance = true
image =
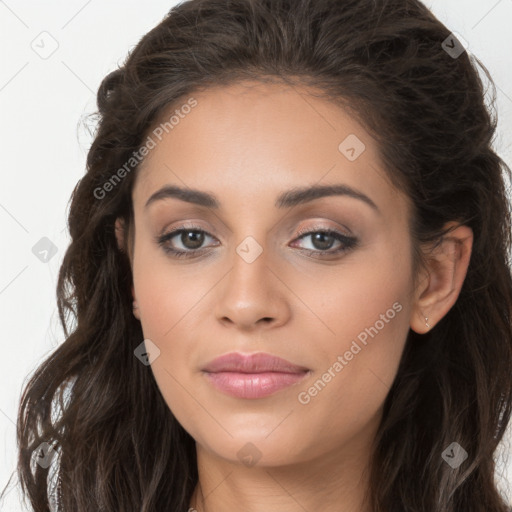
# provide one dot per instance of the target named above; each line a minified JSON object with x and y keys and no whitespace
{"x":252,"y":376}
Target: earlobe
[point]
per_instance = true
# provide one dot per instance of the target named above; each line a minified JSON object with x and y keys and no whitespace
{"x":119,"y":230}
{"x":447,"y":265}
{"x":120,"y":237}
{"x":135,"y":306}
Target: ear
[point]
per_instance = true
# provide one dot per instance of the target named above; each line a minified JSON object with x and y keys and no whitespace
{"x":119,"y":229}
{"x":121,"y":243}
{"x":122,"y":238}
{"x":442,"y":279}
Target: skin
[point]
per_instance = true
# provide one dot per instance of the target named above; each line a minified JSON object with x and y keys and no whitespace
{"x":246,"y":144}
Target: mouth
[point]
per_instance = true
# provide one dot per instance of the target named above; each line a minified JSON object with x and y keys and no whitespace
{"x":252,"y":376}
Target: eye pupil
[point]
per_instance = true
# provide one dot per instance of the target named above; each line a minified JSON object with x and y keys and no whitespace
{"x":197,"y":237}
{"x":320,"y":237}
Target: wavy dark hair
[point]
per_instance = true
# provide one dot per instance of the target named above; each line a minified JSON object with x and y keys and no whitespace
{"x":118,"y":446}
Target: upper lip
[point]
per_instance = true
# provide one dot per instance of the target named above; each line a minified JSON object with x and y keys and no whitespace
{"x":252,"y":363}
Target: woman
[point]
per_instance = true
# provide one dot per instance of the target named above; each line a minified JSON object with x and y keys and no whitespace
{"x":289,"y":273}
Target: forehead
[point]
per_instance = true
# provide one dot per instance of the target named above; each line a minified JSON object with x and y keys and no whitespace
{"x":252,"y":139}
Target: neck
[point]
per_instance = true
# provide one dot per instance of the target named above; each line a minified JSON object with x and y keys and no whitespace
{"x":334,"y":482}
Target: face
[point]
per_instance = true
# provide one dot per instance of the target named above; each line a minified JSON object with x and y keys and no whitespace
{"x":323,"y":281}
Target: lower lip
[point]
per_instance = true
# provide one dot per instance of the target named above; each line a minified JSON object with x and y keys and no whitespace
{"x":253,"y":385}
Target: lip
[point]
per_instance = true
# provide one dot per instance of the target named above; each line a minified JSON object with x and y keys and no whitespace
{"x":259,"y":362}
{"x":252,"y":376}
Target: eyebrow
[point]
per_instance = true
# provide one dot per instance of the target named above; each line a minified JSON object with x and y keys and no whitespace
{"x":287,"y":199}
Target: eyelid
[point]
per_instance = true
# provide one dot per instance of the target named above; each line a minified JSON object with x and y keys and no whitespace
{"x":347,"y":242}
{"x":316,"y":228}
{"x":181,"y":227}
{"x":300,"y":232}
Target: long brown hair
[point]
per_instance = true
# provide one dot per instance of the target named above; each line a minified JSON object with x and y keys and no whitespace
{"x":117,"y":444}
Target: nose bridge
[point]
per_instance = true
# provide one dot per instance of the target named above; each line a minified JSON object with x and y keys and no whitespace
{"x":249,"y":274}
{"x":251,"y":291}
{"x":250,"y":250}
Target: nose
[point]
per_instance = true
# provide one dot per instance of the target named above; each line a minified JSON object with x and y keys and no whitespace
{"x":252,"y":296}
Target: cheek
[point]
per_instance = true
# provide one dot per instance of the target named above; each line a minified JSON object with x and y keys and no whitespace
{"x":367,"y":297}
{"x":367,"y":311}
{"x":167,"y":293}
{"x":358,"y":311}
{"x":169,"y":300}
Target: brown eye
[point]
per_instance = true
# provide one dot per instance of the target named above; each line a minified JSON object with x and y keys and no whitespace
{"x":195,"y":238}
{"x":322,"y":241}
{"x":183,"y":241}
{"x":188,"y":242}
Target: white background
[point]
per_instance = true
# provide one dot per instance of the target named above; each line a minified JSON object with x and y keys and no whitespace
{"x":44,"y":145}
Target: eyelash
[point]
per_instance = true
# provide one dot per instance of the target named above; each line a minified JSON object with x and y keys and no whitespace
{"x":348,"y":242}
